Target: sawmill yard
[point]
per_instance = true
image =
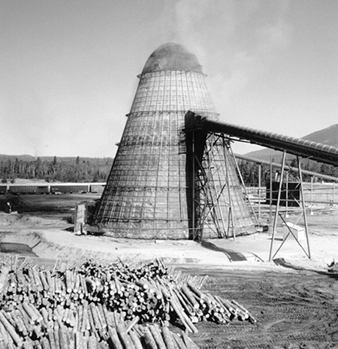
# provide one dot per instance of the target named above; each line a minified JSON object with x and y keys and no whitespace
{"x":293,"y":299}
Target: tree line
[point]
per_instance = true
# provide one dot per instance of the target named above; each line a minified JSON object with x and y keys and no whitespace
{"x":56,"y":169}
{"x":250,"y":173}
{"x":97,"y":170}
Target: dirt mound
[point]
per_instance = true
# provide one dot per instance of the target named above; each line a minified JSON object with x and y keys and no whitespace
{"x":15,"y":219}
{"x":55,"y":243}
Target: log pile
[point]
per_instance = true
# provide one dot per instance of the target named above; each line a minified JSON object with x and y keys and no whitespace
{"x":100,"y":305}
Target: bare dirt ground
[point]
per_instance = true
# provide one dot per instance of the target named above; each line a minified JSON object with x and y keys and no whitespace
{"x":292,"y":309}
{"x":293,"y":298}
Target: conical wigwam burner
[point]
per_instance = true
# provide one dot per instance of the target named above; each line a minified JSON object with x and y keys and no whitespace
{"x":147,"y":192}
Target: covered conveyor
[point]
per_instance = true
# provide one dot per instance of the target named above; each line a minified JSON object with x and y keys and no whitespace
{"x":296,"y":146}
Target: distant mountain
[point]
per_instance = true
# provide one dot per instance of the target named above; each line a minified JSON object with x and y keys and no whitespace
{"x":327,"y":136}
{"x":24,"y":157}
{"x":73,"y":159}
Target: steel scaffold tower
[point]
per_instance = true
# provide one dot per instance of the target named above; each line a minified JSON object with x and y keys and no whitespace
{"x":220,"y":204}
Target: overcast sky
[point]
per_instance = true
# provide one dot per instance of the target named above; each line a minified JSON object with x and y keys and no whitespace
{"x":68,"y":68}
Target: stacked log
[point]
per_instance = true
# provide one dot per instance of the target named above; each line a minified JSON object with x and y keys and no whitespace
{"x":99,"y":305}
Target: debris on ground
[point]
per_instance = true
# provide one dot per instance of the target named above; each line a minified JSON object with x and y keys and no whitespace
{"x":333,"y":267}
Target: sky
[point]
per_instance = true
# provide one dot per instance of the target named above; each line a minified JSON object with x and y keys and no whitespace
{"x":68,"y":68}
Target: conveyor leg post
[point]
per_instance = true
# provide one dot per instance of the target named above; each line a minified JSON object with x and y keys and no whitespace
{"x":303,"y":206}
{"x":277,"y":206}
